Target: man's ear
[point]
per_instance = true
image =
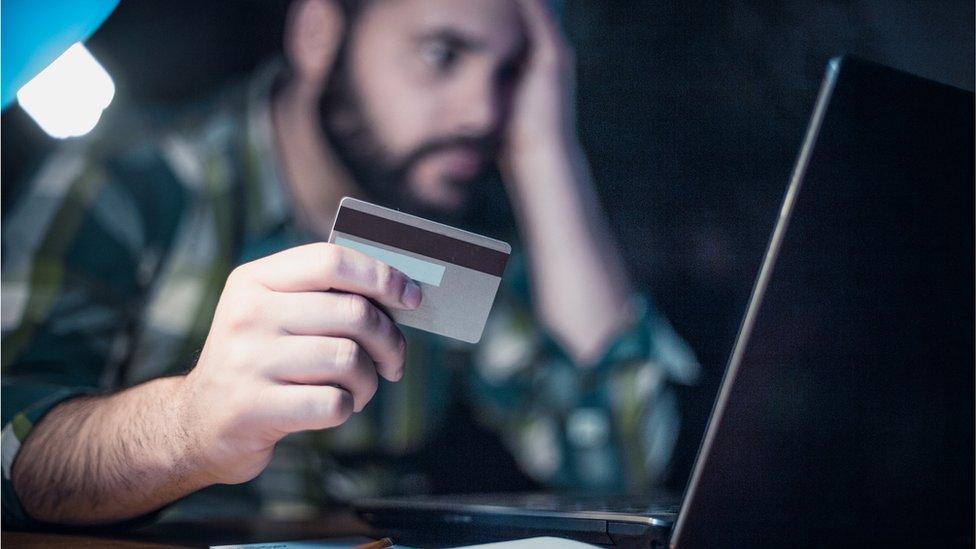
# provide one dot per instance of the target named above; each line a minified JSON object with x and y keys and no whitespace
{"x":313,"y":33}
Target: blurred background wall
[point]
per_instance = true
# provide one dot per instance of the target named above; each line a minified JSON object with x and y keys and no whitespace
{"x":692,"y":114}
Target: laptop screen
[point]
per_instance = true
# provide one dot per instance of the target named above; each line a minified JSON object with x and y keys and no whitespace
{"x":847,"y":409}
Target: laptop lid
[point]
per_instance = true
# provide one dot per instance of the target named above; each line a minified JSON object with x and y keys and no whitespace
{"x":846,"y":411}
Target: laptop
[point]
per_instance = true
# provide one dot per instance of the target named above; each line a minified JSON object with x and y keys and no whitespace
{"x":846,"y":413}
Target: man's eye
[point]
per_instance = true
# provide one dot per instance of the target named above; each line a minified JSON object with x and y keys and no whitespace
{"x":438,"y":55}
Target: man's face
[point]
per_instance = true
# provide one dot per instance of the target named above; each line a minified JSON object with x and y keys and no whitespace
{"x":422,"y":94}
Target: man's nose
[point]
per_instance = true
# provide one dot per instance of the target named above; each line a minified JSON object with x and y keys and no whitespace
{"x":477,"y":109}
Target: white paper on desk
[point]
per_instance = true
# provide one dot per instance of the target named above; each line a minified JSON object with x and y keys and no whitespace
{"x":333,"y":543}
{"x":534,"y":543}
{"x":346,"y":543}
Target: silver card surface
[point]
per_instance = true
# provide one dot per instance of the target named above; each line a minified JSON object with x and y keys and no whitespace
{"x":458,"y":271}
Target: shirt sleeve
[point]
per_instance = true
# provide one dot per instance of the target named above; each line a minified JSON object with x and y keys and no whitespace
{"x":611,"y":426}
{"x":71,"y":256}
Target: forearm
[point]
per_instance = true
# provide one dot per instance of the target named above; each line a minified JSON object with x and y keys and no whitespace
{"x":105,"y":459}
{"x":580,"y":285}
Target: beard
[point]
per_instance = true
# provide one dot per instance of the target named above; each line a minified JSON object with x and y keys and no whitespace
{"x":385,"y":177}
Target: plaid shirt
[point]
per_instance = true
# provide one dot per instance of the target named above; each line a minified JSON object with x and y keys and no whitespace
{"x":116,"y":254}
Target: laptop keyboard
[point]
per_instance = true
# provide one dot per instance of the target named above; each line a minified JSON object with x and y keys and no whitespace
{"x":638,"y":505}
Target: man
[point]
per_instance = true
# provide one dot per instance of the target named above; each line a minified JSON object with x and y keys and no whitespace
{"x":124,"y":260}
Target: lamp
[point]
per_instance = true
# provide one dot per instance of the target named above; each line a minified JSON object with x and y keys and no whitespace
{"x":44,"y":63}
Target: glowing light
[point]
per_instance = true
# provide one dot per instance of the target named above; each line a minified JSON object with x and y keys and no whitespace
{"x":67,"y":98}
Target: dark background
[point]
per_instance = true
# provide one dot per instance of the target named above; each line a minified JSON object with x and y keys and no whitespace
{"x":692,"y":114}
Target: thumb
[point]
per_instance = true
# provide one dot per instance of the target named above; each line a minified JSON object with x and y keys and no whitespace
{"x":313,"y":33}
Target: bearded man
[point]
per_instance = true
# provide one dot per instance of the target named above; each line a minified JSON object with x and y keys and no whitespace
{"x":171,"y":312}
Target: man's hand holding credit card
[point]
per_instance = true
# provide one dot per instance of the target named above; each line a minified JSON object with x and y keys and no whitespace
{"x":299,"y":338}
{"x":458,"y":271}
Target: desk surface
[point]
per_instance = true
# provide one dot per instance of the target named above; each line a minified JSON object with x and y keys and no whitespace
{"x":198,"y":534}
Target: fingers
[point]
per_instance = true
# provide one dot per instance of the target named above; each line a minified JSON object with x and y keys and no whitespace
{"x":547,"y":39}
{"x":322,"y":267}
{"x":348,"y":316}
{"x":293,"y":408}
{"x":341,"y":362}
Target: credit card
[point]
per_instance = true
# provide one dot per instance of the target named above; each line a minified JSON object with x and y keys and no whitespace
{"x":458,"y":271}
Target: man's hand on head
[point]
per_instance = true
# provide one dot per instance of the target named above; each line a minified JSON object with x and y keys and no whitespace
{"x":580,"y":291}
{"x":543,"y":104}
{"x":297,"y":343}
